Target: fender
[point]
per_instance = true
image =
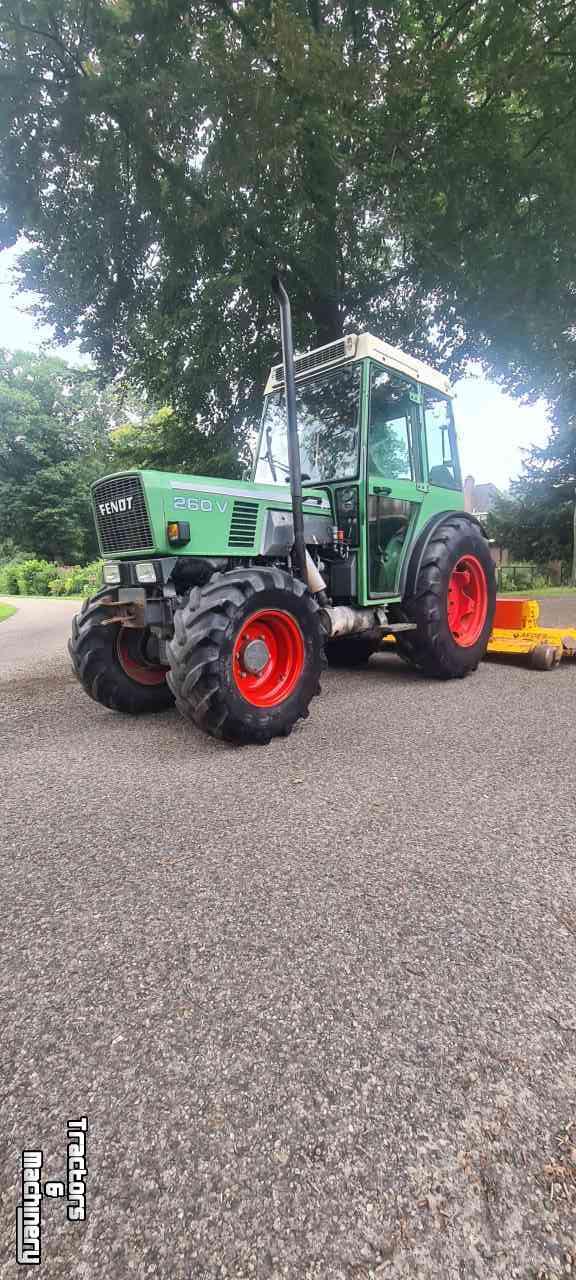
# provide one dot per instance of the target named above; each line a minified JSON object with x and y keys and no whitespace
{"x":412,"y":566}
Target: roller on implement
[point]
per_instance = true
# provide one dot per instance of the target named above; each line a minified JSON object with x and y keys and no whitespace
{"x":226,"y":596}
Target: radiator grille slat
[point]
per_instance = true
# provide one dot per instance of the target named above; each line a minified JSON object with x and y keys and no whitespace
{"x":243,"y":524}
{"x":121,"y":515}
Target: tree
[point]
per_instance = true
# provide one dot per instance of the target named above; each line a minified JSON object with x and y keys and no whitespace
{"x":533,"y":530}
{"x":410,"y":166}
{"x":537,"y":521}
{"x":53,"y":443}
{"x":164,"y":440}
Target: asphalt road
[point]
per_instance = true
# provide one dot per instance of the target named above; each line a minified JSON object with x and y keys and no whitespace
{"x":317,"y":1000}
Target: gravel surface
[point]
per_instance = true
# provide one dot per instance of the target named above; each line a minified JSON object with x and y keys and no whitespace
{"x":318,"y":999}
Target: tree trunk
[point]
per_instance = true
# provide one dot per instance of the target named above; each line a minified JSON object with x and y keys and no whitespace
{"x":327,"y":316}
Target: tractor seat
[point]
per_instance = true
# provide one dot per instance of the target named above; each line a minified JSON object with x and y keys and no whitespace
{"x":441,"y":476}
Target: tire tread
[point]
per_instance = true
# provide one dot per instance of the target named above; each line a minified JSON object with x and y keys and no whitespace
{"x":201,"y":626}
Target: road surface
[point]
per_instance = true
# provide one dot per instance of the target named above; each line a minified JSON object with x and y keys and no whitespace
{"x":317,"y":1000}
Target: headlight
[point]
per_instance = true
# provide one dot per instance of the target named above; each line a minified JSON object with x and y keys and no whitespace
{"x":145,"y":571}
{"x":111,"y":573}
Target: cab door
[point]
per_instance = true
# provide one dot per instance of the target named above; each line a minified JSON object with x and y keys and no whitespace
{"x":395,"y":485}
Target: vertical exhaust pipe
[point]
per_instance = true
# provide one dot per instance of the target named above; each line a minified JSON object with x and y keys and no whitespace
{"x":293,"y":444}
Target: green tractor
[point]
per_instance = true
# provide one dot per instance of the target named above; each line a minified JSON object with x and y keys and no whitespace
{"x":223,"y":596}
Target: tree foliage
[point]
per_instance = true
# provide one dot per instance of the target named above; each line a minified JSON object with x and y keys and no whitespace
{"x":536,"y":522}
{"x":163,"y":439}
{"x":53,"y":443}
{"x":410,"y":166}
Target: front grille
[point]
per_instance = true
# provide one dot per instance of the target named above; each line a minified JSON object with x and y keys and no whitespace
{"x":344,"y":347}
{"x":243,"y":524}
{"x":121,"y":515}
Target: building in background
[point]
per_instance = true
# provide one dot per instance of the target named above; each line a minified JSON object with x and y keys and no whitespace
{"x":479,"y":498}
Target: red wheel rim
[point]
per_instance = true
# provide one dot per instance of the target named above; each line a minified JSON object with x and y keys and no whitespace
{"x":467,"y":601}
{"x":279,"y":648}
{"x":132,"y":659}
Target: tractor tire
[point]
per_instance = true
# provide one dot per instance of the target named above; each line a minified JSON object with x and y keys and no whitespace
{"x":246,"y":655}
{"x":111,"y":663}
{"x":352,"y":652}
{"x":452,"y":603}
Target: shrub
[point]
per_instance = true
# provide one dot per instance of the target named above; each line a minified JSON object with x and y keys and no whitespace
{"x":41,"y":578}
{"x":57,"y":585}
{"x":33,"y":577}
{"x":8,"y":579}
{"x":84,"y":580}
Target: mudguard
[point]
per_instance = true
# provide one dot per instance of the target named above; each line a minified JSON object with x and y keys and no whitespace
{"x":411,"y":567}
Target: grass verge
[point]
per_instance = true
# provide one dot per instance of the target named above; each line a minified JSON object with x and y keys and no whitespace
{"x":6,"y":611}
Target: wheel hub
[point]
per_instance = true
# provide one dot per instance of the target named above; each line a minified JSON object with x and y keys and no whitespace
{"x":255,"y":656}
{"x":467,"y":601}
{"x":132,"y":654}
{"x":268,"y":657}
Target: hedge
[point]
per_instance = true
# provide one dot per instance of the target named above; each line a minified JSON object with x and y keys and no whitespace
{"x":43,"y":578}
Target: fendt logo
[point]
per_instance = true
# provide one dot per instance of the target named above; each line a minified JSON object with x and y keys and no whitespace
{"x":115,"y":505}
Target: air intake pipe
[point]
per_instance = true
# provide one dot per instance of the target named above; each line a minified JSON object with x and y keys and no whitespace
{"x":292,"y":422}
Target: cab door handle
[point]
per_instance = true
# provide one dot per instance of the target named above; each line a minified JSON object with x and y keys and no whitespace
{"x":381,"y":488}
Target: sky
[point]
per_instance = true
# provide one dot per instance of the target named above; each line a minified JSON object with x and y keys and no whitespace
{"x":493,"y":428}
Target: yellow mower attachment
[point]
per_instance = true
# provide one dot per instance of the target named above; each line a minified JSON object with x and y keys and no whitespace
{"x":516,"y":630}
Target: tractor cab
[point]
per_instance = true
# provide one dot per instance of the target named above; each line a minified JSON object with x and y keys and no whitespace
{"x":376,"y":431}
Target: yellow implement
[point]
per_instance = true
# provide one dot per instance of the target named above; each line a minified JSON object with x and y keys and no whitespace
{"x":517,"y":630}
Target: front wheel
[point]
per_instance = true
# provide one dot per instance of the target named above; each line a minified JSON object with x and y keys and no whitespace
{"x":452,"y":602}
{"x":117,"y":665}
{"x":246,"y":655}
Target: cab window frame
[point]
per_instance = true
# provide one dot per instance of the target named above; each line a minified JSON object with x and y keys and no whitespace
{"x":413,"y":419}
{"x":311,"y":376}
{"x":454,"y":485}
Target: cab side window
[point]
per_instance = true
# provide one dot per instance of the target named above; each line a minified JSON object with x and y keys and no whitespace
{"x":443,"y":467}
{"x":389,"y":427}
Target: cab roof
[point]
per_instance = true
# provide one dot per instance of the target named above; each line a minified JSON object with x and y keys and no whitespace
{"x":359,"y":346}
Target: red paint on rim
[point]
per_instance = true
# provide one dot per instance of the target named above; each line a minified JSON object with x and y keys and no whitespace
{"x":129,"y":650}
{"x":281,"y":672}
{"x":467,"y":601}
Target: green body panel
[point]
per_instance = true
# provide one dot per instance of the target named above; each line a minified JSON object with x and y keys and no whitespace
{"x":214,"y":510}
{"x":208,"y":506}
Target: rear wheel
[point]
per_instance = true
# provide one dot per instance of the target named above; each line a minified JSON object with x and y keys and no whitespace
{"x":352,"y":652}
{"x":452,"y":602}
{"x":117,"y":666}
{"x":246,"y":655}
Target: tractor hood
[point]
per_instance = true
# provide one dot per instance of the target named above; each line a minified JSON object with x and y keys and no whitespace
{"x":226,"y":517}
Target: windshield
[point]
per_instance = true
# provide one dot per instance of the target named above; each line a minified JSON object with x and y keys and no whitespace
{"x":328,"y":409}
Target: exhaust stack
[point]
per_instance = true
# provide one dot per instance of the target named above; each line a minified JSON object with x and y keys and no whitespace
{"x":293,"y":444}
